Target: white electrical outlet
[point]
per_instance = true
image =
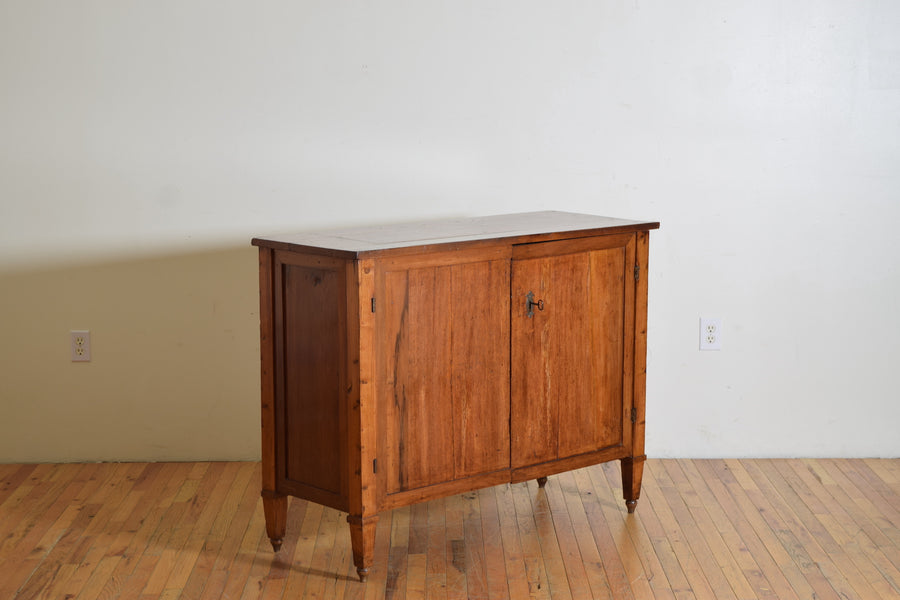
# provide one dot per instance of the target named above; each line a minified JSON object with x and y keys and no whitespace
{"x":710,"y":333}
{"x":80,"y":343}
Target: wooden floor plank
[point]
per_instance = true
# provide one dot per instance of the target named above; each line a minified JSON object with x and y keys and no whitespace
{"x":878,"y":499}
{"x":631,"y":565}
{"x":395,"y":585}
{"x":495,"y":565}
{"x":455,"y":556}
{"x":865,"y":557}
{"x":782,"y":561}
{"x":819,"y":545}
{"x":675,"y":579}
{"x":417,"y":547}
{"x":770,"y":580}
{"x":340,"y":570}
{"x":307,"y":575}
{"x":878,"y":526}
{"x":475,"y":566}
{"x":743,"y":529}
{"x":101,"y":533}
{"x":215,"y":547}
{"x":19,"y":486}
{"x":678,"y":535}
{"x":624,"y":570}
{"x":11,"y":479}
{"x":870,"y":527}
{"x":761,"y":500}
{"x":551,"y":553}
{"x":728,"y":540}
{"x":158,"y":491}
{"x":887,"y":470}
{"x":174,"y":553}
{"x":415,"y":582}
{"x":576,"y":574}
{"x":253,"y":552}
{"x":436,"y":551}
{"x":535,"y":573}
{"x":206,"y":514}
{"x":716,"y":567}
{"x":53,"y":521}
{"x":257,"y":558}
{"x":588,"y":553}
{"x":30,"y":514}
{"x":720,"y":567}
{"x":513,"y":556}
{"x":68,"y":552}
{"x":302,"y":518}
{"x":378,"y":571}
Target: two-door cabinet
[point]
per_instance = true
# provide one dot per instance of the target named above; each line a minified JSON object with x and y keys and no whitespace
{"x":410,"y":362}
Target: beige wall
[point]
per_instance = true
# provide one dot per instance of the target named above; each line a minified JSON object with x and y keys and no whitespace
{"x":175,"y":367}
{"x":143,"y":143}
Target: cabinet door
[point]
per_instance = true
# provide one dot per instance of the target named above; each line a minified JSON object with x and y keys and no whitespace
{"x":443,"y":388}
{"x":572,"y":347}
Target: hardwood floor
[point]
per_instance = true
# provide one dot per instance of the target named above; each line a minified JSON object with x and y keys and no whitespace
{"x":773,"y":529}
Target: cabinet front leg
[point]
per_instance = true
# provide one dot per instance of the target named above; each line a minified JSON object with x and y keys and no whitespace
{"x":275,"y":509}
{"x":362,"y":539}
{"x":632,"y":471}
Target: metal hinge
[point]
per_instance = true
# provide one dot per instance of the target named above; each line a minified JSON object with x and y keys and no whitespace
{"x":374,"y":465}
{"x":373,"y":304}
{"x":633,"y":415}
{"x":637,"y":272}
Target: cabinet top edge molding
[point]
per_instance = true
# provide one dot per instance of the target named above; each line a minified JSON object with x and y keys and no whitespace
{"x":519,"y":228}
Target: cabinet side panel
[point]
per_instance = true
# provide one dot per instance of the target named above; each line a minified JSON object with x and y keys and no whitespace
{"x":479,"y":307}
{"x":314,"y":323}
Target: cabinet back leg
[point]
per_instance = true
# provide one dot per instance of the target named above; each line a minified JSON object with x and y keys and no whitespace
{"x":275,"y":510}
{"x":632,"y":472}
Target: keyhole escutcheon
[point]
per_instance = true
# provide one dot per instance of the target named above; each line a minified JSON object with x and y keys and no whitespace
{"x":530,"y":303}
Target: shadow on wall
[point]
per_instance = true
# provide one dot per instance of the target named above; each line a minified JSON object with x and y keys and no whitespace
{"x":174,"y":373}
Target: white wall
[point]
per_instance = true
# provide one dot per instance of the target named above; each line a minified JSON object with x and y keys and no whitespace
{"x":142,"y":144}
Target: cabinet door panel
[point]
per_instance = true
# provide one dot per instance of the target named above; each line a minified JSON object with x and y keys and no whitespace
{"x":569,"y":367}
{"x":591,"y":413}
{"x":417,"y":387}
{"x":534,"y":416}
{"x":444,"y":368}
{"x":480,"y":367}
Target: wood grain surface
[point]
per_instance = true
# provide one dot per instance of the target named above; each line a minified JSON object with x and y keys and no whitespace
{"x":708,"y":529}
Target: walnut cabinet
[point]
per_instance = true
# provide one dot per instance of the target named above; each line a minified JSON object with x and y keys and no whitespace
{"x":410,"y":362}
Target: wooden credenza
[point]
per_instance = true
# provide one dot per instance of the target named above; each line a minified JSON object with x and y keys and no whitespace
{"x":410,"y":362}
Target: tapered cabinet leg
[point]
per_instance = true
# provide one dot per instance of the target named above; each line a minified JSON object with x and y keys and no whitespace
{"x":542,"y":481}
{"x":362,"y":539}
{"x":632,"y":472}
{"x":275,"y":509}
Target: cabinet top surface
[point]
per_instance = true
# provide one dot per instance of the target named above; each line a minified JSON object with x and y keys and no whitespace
{"x":529,"y":227}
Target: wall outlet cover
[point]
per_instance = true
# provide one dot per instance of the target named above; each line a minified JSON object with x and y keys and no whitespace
{"x":80,"y":345}
{"x":710,"y":333}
